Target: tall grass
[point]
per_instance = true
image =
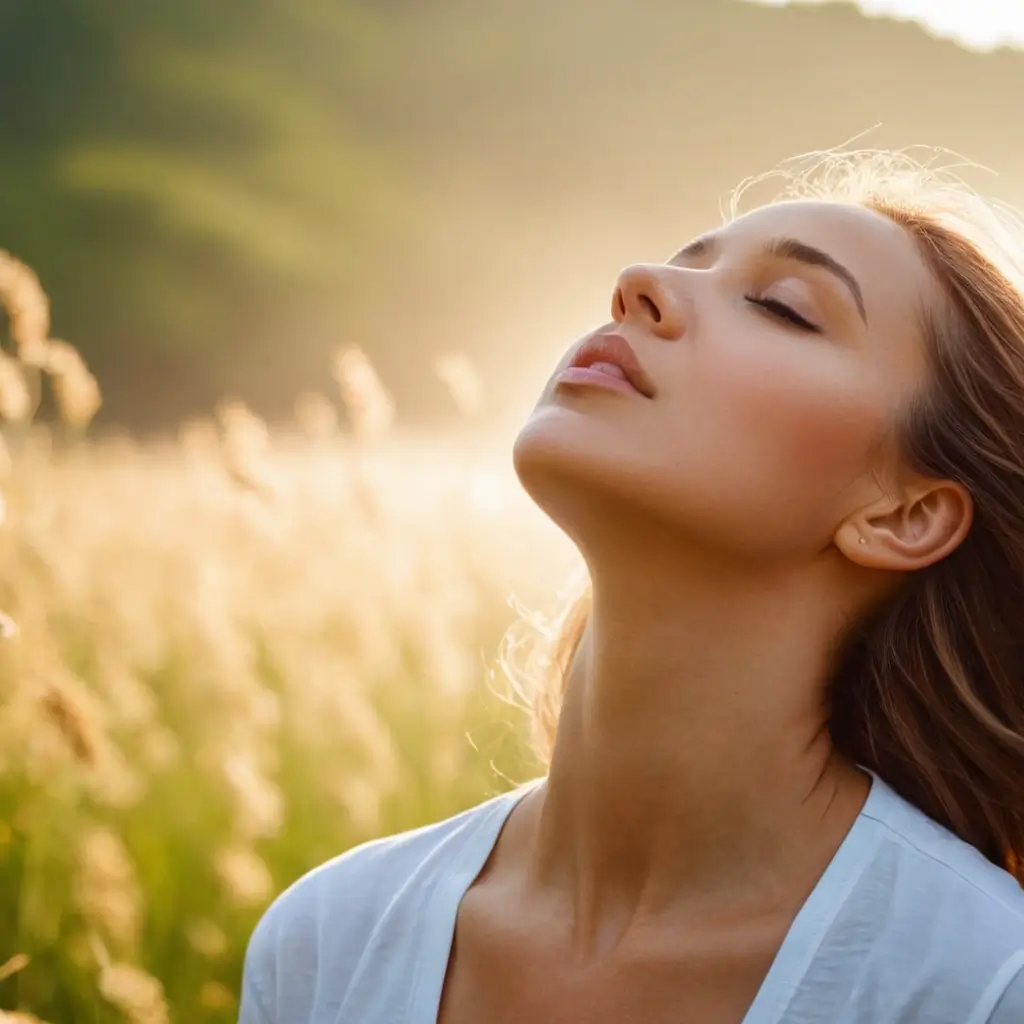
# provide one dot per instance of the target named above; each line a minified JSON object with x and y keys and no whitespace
{"x":229,"y":658}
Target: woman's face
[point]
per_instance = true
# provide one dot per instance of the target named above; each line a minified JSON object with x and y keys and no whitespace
{"x":779,"y":349}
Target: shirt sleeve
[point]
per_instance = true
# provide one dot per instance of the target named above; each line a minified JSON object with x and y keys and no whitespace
{"x":1008,"y":993}
{"x":257,"y":976}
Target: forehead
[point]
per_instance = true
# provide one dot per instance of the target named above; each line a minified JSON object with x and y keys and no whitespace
{"x":881,"y":254}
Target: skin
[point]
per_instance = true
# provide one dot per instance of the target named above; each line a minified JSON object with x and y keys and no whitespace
{"x":732,"y":525}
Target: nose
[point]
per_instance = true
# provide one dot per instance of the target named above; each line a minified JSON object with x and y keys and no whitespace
{"x":645,"y":294}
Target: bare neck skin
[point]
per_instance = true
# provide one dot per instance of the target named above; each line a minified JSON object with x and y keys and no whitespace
{"x":693,"y":774}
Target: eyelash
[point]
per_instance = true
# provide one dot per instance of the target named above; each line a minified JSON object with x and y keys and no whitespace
{"x":783,"y":312}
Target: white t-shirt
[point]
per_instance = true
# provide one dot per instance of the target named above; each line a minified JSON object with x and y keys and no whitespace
{"x":907,"y":925}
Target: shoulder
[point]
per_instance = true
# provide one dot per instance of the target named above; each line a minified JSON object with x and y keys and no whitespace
{"x":325,"y":921}
{"x":953,"y":922}
{"x":939,"y":876}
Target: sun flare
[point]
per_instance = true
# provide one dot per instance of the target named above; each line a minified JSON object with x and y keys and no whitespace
{"x":981,"y":25}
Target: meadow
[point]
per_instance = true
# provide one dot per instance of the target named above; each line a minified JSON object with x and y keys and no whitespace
{"x":229,"y":656}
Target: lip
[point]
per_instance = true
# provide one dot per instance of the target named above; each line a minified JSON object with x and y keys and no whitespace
{"x":613,"y":349}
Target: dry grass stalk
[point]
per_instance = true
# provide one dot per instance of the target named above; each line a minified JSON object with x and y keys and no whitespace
{"x":245,"y":449}
{"x":370,"y":406}
{"x":75,"y":389}
{"x":72,"y":722}
{"x":106,"y":889}
{"x":16,"y":401}
{"x":463,"y":381}
{"x":138,"y":995}
{"x":26,"y":305}
{"x":16,"y":963}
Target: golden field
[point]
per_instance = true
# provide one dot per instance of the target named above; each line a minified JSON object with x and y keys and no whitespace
{"x":230,"y":657}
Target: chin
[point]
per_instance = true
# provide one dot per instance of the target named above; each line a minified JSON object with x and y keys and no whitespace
{"x":574,"y":467}
{"x":557,"y":442}
{"x":602,"y":478}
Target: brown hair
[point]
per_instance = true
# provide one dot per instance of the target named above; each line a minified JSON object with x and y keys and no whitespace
{"x":928,"y":690}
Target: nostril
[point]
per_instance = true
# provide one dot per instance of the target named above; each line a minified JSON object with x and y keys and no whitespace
{"x":648,"y":303}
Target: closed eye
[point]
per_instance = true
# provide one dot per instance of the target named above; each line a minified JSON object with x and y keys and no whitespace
{"x":784,"y":312}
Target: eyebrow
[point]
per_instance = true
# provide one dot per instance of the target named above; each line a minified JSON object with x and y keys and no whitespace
{"x":788,"y":249}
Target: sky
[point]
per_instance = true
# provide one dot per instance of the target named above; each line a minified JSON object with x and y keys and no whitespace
{"x":976,"y":24}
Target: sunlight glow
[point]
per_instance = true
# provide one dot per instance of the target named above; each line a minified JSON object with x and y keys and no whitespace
{"x":981,"y":25}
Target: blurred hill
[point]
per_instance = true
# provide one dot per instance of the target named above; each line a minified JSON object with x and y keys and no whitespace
{"x":218,"y":195}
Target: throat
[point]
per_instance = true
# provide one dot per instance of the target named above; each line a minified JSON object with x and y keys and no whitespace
{"x":634,"y":832}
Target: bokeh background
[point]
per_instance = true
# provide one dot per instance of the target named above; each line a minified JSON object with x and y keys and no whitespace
{"x":309,"y":262}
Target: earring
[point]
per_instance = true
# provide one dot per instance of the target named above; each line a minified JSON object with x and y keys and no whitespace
{"x":861,"y":540}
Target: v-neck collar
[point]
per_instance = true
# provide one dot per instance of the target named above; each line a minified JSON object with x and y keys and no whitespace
{"x":814,"y":918}
{"x":782,"y":982}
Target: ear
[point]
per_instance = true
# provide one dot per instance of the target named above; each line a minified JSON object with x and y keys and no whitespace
{"x":910,"y":531}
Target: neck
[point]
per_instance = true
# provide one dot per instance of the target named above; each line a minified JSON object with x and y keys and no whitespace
{"x":693,"y":767}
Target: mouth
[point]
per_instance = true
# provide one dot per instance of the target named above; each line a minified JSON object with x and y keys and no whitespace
{"x":608,"y":360}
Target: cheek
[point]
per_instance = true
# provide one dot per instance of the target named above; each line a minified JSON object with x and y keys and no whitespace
{"x":800,"y":421}
{"x":786,"y":434}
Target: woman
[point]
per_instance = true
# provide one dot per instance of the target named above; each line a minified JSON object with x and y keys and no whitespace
{"x":788,"y":778}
